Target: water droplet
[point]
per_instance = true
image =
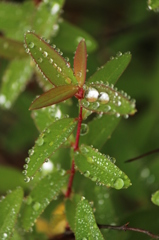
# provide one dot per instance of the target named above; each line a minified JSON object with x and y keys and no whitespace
{"x":90,"y":160}
{"x":112,"y":159}
{"x":31,"y":152}
{"x":2,"y":99}
{"x":40,"y":49}
{"x":40,"y":60}
{"x":84,"y":129}
{"x":126,"y":116}
{"x":85,"y":103}
{"x":27,"y":160}
{"x":119,"y":54}
{"x":51,"y":60}
{"x":40,"y":141}
{"x":50,"y":144}
{"x":27,"y":179}
{"x":82,"y":198}
{"x":31,"y":44}
{"x":91,"y":95}
{"x":103,"y":98}
{"x":45,"y":54}
{"x":27,"y":50}
{"x":87,"y":174}
{"x":68,"y":80}
{"x":119,"y":183}
{"x":94,"y":179}
{"x":55,"y":8}
{"x":95,"y":105}
{"x":5,"y":235}
{"x":107,"y":108}
{"x":36,"y":206}
{"x":25,"y":166}
{"x":29,"y":200}
{"x":59,"y":69}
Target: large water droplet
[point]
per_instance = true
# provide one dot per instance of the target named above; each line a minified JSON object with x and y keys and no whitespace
{"x":27,"y":179}
{"x":31,"y":44}
{"x":45,"y":54}
{"x":103,"y":98}
{"x":91,"y":95}
{"x":87,"y":174}
{"x":95,"y":105}
{"x":36,"y":206}
{"x":84,"y":129}
{"x":40,"y":141}
{"x":119,"y":183}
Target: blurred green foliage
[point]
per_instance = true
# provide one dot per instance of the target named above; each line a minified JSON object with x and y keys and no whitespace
{"x":116,"y":26}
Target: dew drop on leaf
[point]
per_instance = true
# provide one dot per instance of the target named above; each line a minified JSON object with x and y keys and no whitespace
{"x":91,"y":95}
{"x":95,"y":105}
{"x":119,"y":183}
{"x":36,"y":206}
{"x":40,"y":60}
{"x":45,"y":54}
{"x":68,"y":81}
{"x":31,"y":44}
{"x":84,"y":129}
{"x":27,"y":179}
{"x":103,"y":98}
{"x":40,"y":141}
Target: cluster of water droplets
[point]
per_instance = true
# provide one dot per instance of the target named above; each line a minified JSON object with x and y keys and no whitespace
{"x":105,"y":98}
{"x":45,"y":55}
{"x":102,"y":169}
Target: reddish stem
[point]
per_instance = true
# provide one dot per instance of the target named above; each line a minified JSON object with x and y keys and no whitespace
{"x":69,"y":188}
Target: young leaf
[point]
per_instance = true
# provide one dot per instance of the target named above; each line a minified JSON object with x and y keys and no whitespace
{"x":105,"y":99}
{"x":155,"y":198}
{"x":44,"y":192}
{"x":49,"y":61}
{"x":9,"y":208}
{"x":73,"y":35}
{"x":54,"y":95}
{"x":14,"y":80}
{"x":86,"y":227}
{"x":100,"y":168}
{"x":11,"y":49}
{"x":45,"y":116}
{"x":70,"y":209}
{"x":47,"y":143}
{"x":80,"y":63}
{"x":112,"y":70}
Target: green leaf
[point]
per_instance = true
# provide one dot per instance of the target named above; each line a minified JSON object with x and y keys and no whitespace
{"x":16,"y":19}
{"x":86,"y":227}
{"x":9,"y":208}
{"x":70,"y":210}
{"x":45,"y":116}
{"x":47,"y":143}
{"x":44,"y":192}
{"x":80,"y":63}
{"x":50,"y":62}
{"x":112,"y":70}
{"x":73,"y":35}
{"x":14,"y":81}
{"x":54,"y":95}
{"x":11,"y":49}
{"x":104,"y":125}
{"x":153,"y":5}
{"x":47,"y":15}
{"x":103,"y":98}
{"x":10,"y":178}
{"x":155,"y":198}
{"x":100,"y":168}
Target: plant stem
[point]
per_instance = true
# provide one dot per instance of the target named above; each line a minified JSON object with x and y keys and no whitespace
{"x":69,"y":188}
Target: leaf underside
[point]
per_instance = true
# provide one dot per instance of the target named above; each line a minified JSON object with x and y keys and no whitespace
{"x":100,"y":168}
